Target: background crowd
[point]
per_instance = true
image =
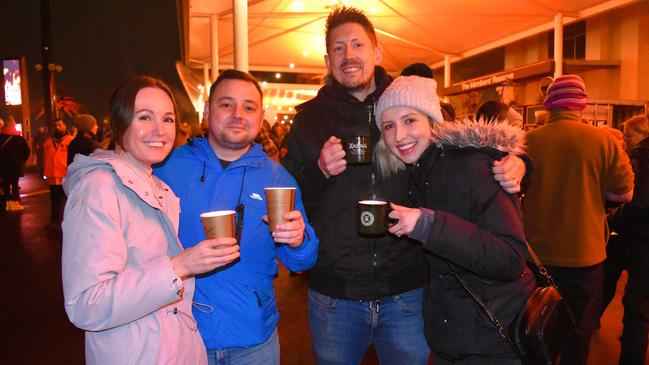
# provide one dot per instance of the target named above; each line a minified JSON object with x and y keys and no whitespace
{"x":466,"y":194}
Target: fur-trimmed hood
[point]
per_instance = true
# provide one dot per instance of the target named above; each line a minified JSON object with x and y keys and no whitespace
{"x":467,"y":133}
{"x":480,"y":134}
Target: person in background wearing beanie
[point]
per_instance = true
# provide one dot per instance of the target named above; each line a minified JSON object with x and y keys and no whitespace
{"x":14,"y":152}
{"x":362,"y":290}
{"x":84,"y":142}
{"x":55,"y":150}
{"x":467,"y":225}
{"x":577,"y":168}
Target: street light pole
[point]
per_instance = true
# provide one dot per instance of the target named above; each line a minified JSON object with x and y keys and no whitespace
{"x":49,"y":88}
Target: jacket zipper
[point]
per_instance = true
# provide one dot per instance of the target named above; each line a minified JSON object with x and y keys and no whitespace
{"x":370,"y":120}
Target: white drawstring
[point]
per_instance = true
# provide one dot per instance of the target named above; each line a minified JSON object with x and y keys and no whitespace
{"x":201,"y":306}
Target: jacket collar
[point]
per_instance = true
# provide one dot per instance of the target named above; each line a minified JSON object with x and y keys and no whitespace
{"x":643,"y":145}
{"x":149,"y":188}
{"x":255,"y":157}
{"x":430,"y":154}
{"x":564,"y":115}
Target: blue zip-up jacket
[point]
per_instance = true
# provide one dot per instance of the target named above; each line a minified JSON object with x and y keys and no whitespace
{"x":235,"y":306}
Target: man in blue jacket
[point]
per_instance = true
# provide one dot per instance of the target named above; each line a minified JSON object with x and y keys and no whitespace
{"x":235,"y":307}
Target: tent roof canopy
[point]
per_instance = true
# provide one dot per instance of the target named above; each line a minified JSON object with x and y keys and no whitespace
{"x":285,"y":32}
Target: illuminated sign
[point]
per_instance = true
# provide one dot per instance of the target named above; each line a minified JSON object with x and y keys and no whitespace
{"x":501,"y":78}
{"x":487,"y":81}
{"x":11,"y":75}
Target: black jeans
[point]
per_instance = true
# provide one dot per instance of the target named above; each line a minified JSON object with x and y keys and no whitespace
{"x":58,"y":201}
{"x":581,"y":287}
{"x":615,"y":263}
{"x":636,"y":305}
{"x":10,"y":188}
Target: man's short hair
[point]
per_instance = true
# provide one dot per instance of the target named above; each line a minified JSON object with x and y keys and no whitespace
{"x":348,"y":14}
{"x":232,"y":74}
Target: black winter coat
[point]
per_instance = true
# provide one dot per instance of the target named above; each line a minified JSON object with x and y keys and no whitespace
{"x":477,"y":228}
{"x":632,"y":219}
{"x":13,"y":155}
{"x":83,"y":144}
{"x":631,"y":222}
{"x":349,"y":266}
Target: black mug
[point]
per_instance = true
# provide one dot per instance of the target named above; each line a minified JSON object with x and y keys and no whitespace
{"x":373,"y":217}
{"x":358,"y":149}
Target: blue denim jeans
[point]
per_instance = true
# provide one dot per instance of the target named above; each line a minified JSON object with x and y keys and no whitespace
{"x":342,"y":329}
{"x":264,"y":353}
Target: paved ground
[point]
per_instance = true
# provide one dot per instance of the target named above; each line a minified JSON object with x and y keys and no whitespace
{"x":35,"y":329}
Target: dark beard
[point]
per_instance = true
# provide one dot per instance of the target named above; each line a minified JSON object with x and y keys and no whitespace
{"x":350,"y":89}
{"x":58,"y":134}
{"x":360,"y":87}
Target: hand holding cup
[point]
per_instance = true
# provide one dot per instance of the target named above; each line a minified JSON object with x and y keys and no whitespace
{"x":332,"y":157}
{"x":291,"y":232}
{"x":205,"y":256}
{"x":406,"y":219}
{"x":358,"y":149}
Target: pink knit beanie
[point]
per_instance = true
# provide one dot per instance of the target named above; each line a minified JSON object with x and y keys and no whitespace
{"x":415,"y":92}
{"x":567,"y":91}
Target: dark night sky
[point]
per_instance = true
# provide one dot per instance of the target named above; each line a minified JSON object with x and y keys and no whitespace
{"x":99,"y":43}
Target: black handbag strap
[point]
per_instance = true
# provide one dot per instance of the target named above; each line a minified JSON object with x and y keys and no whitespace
{"x":5,"y":143}
{"x":542,"y":272}
{"x":501,"y":330}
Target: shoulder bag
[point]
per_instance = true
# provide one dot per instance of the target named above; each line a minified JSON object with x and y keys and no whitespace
{"x":544,"y":324}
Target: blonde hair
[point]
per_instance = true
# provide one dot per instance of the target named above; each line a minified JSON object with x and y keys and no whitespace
{"x":639,"y":123}
{"x":386,"y":162}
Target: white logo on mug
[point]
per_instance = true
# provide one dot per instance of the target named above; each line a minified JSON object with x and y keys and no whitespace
{"x":367,"y":219}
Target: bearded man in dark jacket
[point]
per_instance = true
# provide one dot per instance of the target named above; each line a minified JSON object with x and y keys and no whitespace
{"x":363,"y":290}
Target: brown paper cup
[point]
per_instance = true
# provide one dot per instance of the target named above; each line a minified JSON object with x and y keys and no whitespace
{"x":218,"y":224}
{"x":279,"y":201}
